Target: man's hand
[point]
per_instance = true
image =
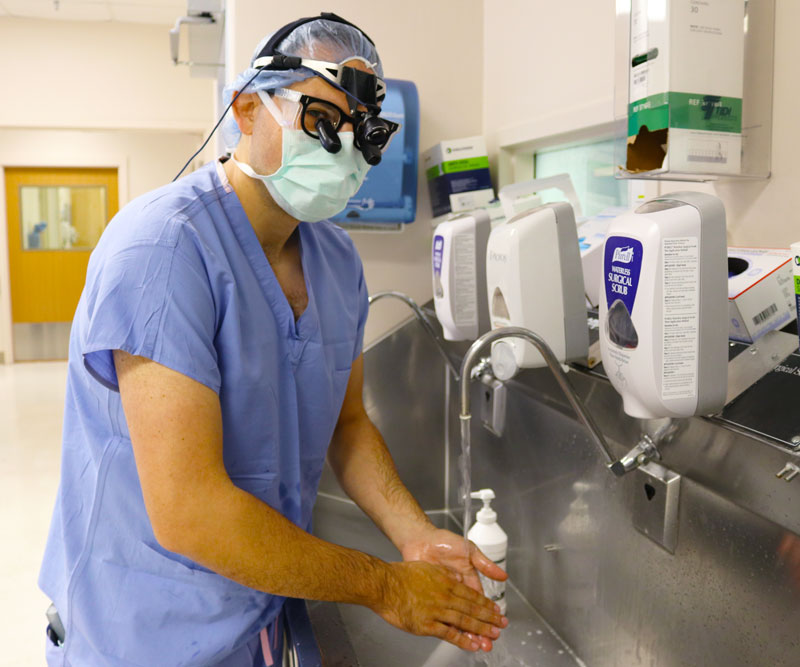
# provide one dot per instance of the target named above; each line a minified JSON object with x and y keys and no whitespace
{"x":441,"y":547}
{"x":426,"y":599}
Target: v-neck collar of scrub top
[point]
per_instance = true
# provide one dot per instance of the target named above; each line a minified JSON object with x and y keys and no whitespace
{"x":298,"y":331}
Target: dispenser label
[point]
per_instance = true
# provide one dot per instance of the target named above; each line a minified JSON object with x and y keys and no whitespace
{"x":465,"y":306}
{"x":680,"y":310}
{"x":494,"y":590}
{"x":622,"y":265}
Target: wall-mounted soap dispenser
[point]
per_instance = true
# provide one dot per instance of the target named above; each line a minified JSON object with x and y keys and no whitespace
{"x":459,"y":275}
{"x":663,"y":307}
{"x":535,"y":280}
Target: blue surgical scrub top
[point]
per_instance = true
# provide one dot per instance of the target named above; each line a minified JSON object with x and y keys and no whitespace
{"x":179,"y":277}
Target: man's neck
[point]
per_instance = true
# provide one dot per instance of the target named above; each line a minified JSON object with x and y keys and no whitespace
{"x":272,"y":225}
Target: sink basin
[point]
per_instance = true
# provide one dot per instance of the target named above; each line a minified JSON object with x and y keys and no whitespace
{"x":350,"y":635}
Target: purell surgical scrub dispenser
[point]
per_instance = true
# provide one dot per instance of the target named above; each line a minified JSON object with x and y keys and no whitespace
{"x":389,"y":191}
{"x":534,"y":280}
{"x":459,"y":275}
{"x":664,"y":311}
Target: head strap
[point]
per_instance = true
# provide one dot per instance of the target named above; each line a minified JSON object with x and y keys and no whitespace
{"x":360,"y":87}
{"x":270,"y":48}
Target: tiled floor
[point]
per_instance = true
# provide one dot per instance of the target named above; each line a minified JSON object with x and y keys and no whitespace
{"x":31,"y":411}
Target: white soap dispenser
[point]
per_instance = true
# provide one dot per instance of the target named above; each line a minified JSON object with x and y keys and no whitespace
{"x":459,"y":275}
{"x":534,"y":280}
{"x":664,"y":307}
{"x":492,"y":540}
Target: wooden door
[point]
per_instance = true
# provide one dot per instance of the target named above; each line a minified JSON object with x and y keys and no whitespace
{"x":55,"y":217}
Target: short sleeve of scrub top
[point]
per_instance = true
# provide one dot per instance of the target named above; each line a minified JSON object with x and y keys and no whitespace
{"x":153,"y":300}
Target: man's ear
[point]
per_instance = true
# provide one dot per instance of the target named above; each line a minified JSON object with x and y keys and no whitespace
{"x":244,"y":111}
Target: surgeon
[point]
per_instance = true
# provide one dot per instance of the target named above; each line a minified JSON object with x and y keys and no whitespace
{"x":215,"y":360}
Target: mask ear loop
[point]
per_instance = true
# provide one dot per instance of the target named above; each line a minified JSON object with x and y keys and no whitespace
{"x":279,"y":117}
{"x":277,"y":114}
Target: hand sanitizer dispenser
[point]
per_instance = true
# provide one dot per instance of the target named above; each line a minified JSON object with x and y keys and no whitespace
{"x":663,"y":307}
{"x":459,"y":275}
{"x":535,"y":280}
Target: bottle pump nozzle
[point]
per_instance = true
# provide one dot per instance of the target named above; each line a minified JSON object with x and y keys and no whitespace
{"x":486,"y":514}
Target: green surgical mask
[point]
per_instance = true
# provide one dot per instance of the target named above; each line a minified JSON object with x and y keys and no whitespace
{"x":311,"y":184}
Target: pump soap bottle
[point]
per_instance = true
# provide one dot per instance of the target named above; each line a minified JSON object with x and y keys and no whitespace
{"x":492,"y":540}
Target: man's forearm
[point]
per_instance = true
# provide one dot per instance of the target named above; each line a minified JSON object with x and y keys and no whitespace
{"x":244,"y":539}
{"x":238,"y":536}
{"x":367,"y":473}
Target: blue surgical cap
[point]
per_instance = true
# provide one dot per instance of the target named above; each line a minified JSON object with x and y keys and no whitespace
{"x":322,"y":39}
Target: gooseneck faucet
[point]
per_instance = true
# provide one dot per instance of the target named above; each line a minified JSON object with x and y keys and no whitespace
{"x":424,"y":321}
{"x":632,"y":460}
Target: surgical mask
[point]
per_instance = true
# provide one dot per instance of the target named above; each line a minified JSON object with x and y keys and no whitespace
{"x":311,"y":184}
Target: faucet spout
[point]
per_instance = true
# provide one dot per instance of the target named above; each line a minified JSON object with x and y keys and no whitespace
{"x":643,"y":452}
{"x":424,"y":320}
{"x":474,"y":352}
{"x":646,"y":449}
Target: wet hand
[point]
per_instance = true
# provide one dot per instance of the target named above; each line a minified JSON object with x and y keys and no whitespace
{"x":442,"y":547}
{"x":426,"y":599}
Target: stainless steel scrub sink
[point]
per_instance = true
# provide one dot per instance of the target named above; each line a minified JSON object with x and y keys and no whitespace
{"x":350,"y":635}
{"x":728,"y":595}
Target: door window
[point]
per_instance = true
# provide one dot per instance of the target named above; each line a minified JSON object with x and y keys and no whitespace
{"x":62,"y":218}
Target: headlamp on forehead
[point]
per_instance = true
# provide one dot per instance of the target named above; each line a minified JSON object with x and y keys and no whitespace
{"x":367,"y":88}
{"x":359,"y":86}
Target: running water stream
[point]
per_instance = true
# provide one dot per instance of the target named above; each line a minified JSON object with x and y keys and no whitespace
{"x":465,"y":465}
{"x":499,"y":656}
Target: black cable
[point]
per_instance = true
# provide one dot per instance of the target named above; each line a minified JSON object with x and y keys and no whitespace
{"x":211,"y":134}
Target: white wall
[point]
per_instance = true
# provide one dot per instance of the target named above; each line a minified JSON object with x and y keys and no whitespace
{"x":550,"y":70}
{"x":548,"y":65}
{"x":91,"y":95}
{"x":436,"y":44}
{"x":96,"y":75}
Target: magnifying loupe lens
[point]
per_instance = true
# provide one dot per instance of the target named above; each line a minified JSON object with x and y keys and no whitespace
{"x":375,"y":131}
{"x":371,"y":153}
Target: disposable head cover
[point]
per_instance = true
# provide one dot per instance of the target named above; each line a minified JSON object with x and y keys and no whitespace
{"x":325,"y":40}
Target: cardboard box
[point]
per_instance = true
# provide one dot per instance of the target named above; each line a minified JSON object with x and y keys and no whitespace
{"x":686,"y":78}
{"x":760,"y":291}
{"x":458,"y":175}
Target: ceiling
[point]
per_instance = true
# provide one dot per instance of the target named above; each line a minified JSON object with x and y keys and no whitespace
{"x":159,"y":12}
